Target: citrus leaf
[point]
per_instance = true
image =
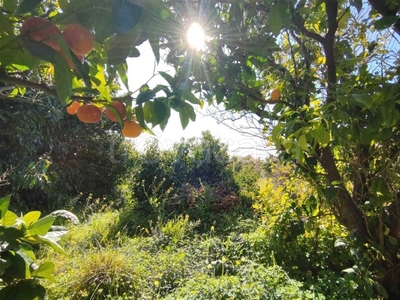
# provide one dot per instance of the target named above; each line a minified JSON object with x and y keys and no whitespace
{"x":275,"y":21}
{"x":27,"y":6}
{"x":63,"y":79}
{"x":160,"y":111}
{"x":184,"y":118}
{"x":303,"y":142}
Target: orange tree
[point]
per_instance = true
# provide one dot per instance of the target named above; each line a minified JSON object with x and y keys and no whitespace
{"x":77,"y":50}
{"x":336,"y":115}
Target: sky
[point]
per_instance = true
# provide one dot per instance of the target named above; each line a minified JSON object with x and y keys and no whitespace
{"x":140,"y":70}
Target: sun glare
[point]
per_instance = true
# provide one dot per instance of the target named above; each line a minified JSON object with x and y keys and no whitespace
{"x":196,"y":36}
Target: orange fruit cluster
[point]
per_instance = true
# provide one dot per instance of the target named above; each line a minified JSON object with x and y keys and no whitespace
{"x":90,"y":113}
{"x":78,"y":38}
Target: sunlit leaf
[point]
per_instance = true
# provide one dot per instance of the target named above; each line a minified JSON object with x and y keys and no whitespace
{"x":42,"y":226}
{"x":4,"y":203}
{"x":45,"y":270}
{"x":31,"y":217}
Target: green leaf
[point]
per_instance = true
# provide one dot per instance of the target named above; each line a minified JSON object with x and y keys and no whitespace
{"x":31,"y":217}
{"x":189,"y":111}
{"x":380,"y":188}
{"x":4,"y":204}
{"x":40,"y":50}
{"x":362,"y":100}
{"x":191,"y":98}
{"x":303,"y":142}
{"x":51,"y":242}
{"x":160,"y":112}
{"x":344,"y":19}
{"x":122,"y":72}
{"x":45,"y":270}
{"x":164,"y":123}
{"x":63,"y":79}
{"x":24,"y":290}
{"x":275,"y":21}
{"x":9,"y":218}
{"x":148,"y":114}
{"x":10,"y":234}
{"x":184,"y":118}
{"x":219,"y":96}
{"x":380,"y":289}
{"x":331,"y":193}
{"x":320,"y":134}
{"x":144,"y":96}
{"x":63,"y":4}
{"x":27,"y":6}
{"x":42,"y":226}
{"x":140,"y":115}
{"x":276,"y":133}
{"x":168,"y":78}
{"x":154,"y":40}
{"x":10,"y":5}
{"x":385,"y":22}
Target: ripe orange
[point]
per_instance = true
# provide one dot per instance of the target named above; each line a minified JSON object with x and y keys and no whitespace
{"x":275,"y":94}
{"x":89,"y":113}
{"x":120,"y":107}
{"x":131,"y":129}
{"x":79,"y":39}
{"x":71,"y":110}
{"x":76,"y":105}
{"x":41,"y":30}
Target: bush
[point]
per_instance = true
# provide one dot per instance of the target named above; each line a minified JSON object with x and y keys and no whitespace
{"x":193,"y":178}
{"x":252,"y":282}
{"x":54,"y":160}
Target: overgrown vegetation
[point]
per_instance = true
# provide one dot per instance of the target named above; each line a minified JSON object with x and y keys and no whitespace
{"x":277,"y":241}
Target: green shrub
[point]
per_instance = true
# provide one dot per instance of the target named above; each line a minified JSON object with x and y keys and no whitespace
{"x":252,"y":282}
{"x":119,"y":273}
{"x":194,"y":179}
{"x":99,"y":230}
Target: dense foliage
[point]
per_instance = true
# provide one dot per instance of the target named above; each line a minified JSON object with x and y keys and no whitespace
{"x":286,"y":249}
{"x":20,"y":271}
{"x":52,"y":158}
{"x":195,"y":177}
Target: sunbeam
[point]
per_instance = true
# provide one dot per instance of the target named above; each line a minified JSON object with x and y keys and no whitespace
{"x":196,"y":36}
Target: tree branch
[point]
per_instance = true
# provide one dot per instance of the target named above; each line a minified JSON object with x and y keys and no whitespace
{"x":328,"y":45}
{"x":299,"y":22}
{"x":37,"y":86}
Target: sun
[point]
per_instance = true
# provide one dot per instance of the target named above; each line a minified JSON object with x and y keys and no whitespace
{"x":196,"y":36}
